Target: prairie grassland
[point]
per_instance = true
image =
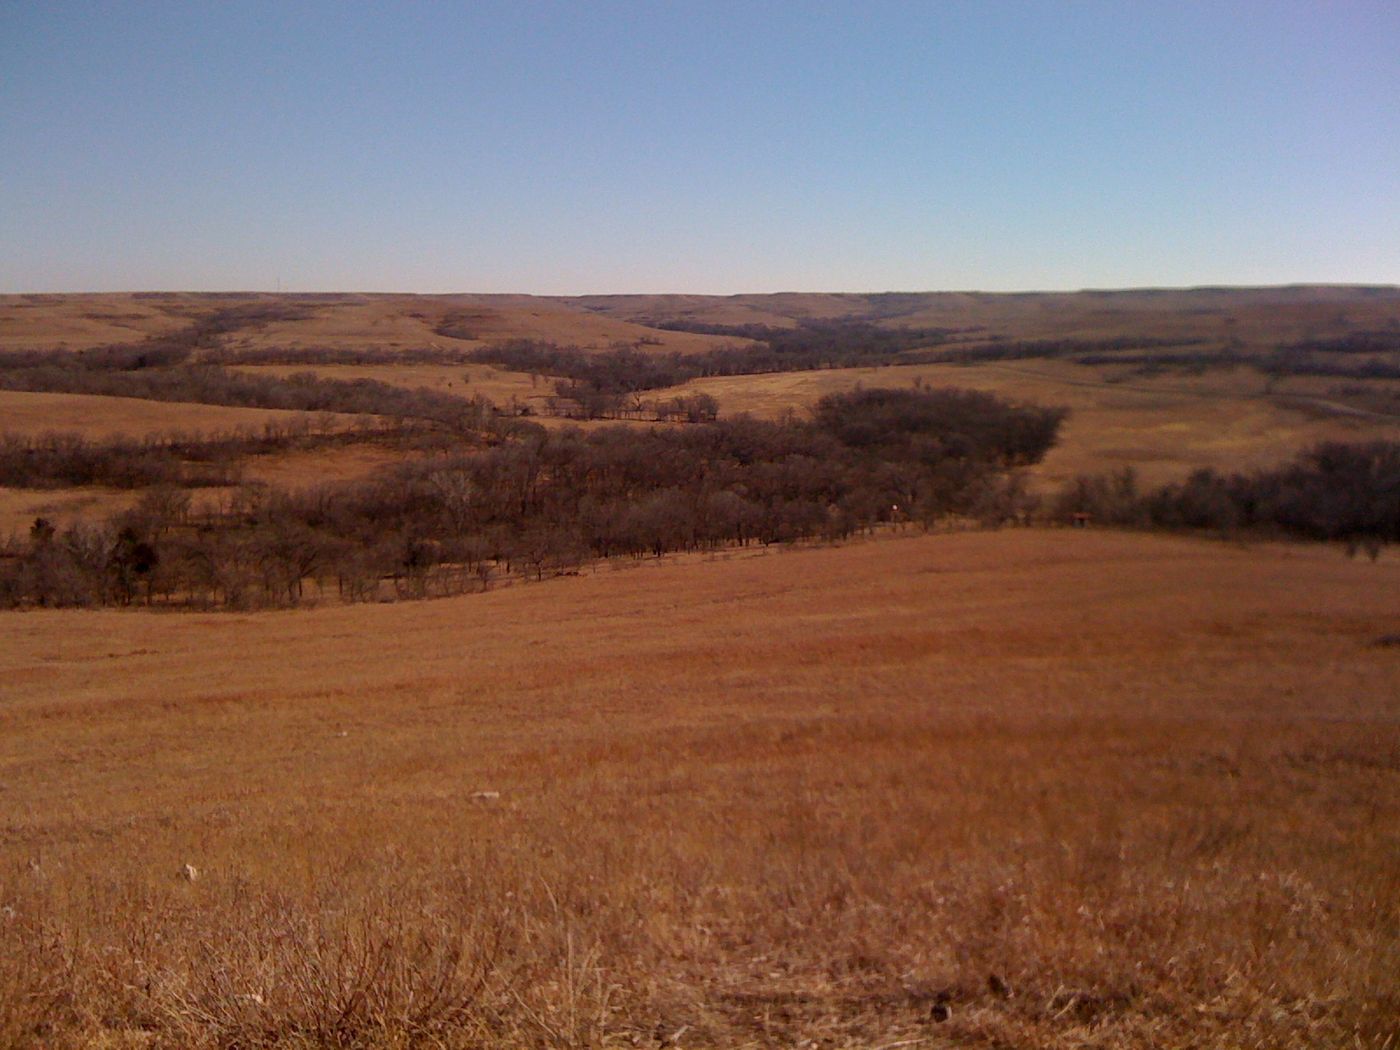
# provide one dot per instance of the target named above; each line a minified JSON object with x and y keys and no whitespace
{"x":1164,"y":427}
{"x":46,"y":322}
{"x":1074,"y":789}
{"x":502,"y":387}
{"x":496,"y":384}
{"x":1255,"y":318}
{"x":409,"y":321}
{"x":297,"y":469}
{"x":342,"y":321}
{"x":96,"y":417}
{"x":88,"y":504}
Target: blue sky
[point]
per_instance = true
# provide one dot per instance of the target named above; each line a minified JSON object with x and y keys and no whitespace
{"x":708,"y":147}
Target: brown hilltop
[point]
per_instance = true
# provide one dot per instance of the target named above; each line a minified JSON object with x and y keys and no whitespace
{"x":1254,"y":317}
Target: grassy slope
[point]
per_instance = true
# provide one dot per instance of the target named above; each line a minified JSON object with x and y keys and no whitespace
{"x":338,"y":320}
{"x":470,"y":380}
{"x":1257,"y":317}
{"x":88,"y":504}
{"x":97,"y":418}
{"x":1148,"y":784}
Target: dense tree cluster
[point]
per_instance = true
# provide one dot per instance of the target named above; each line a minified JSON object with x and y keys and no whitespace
{"x":1381,"y":341}
{"x":1083,"y":351}
{"x":1310,"y":357}
{"x":59,"y":460}
{"x":618,"y":371}
{"x":965,"y":424}
{"x":467,"y":325}
{"x":1315,"y":357}
{"x":1195,"y":362}
{"x":1292,"y":361}
{"x":834,"y":343}
{"x":1348,"y":493}
{"x":548,"y":501}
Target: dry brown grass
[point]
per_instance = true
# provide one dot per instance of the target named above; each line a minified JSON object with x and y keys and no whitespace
{"x":78,"y":321}
{"x":407,"y":321}
{"x":472,"y":380}
{"x":346,"y":321}
{"x":1259,"y":318}
{"x":1164,"y":427}
{"x":96,"y":417}
{"x":87,"y":504}
{"x":504,"y":388}
{"x":301,"y":468}
{"x":1087,"y":789}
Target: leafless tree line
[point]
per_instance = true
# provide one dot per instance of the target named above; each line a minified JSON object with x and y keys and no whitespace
{"x":1337,"y":492}
{"x":547,"y":502}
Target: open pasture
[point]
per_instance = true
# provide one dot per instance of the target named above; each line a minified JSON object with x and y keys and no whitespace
{"x":339,"y":321}
{"x":1251,"y":319}
{"x":97,"y":417}
{"x":466,"y":380}
{"x":1254,"y":319}
{"x":88,"y":504}
{"x":1027,"y":788}
{"x":75,"y":322}
{"x":1164,"y":426}
{"x":303,"y":468}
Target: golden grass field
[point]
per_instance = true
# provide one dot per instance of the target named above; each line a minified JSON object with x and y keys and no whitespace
{"x":1259,"y":318}
{"x":97,"y":418}
{"x":1255,"y":318}
{"x":88,"y":504}
{"x":498,"y":385}
{"x":343,"y":321}
{"x":1074,"y":788}
{"x":1163,"y":427}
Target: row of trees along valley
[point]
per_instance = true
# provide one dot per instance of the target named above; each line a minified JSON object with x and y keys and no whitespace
{"x":532,"y":502}
{"x":1346,"y":493}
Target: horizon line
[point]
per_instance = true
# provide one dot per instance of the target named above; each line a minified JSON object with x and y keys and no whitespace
{"x":1086,"y":290}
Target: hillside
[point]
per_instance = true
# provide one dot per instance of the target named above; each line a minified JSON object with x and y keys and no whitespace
{"x":1256,"y":317}
{"x":1163,"y":382}
{"x":330,"y":320}
{"x":1076,"y":789}
{"x":717,"y":780}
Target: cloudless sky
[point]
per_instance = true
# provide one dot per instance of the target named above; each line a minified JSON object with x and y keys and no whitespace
{"x":716,"y":147}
